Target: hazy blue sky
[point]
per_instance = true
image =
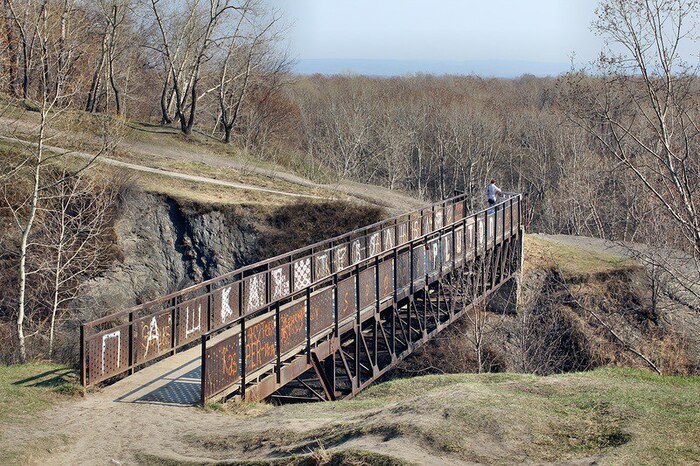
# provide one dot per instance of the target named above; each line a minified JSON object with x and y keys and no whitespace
{"x":438,"y":35}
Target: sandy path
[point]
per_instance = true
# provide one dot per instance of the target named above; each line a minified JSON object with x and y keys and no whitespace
{"x":118,"y":425}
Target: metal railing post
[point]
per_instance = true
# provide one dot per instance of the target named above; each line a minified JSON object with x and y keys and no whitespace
{"x":83,"y":357}
{"x":132,"y":363}
{"x":203,"y":393}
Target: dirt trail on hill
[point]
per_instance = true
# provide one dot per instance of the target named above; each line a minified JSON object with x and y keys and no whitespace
{"x":100,"y":429}
{"x":394,"y":201}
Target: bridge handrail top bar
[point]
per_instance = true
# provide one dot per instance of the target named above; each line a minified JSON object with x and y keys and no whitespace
{"x":291,"y":254}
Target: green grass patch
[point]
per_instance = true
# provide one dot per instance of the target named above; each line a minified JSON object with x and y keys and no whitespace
{"x":28,"y":389}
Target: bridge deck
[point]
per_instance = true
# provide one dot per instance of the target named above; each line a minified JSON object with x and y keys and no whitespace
{"x":173,"y":381}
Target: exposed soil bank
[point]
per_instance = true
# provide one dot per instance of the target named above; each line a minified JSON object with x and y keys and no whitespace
{"x":579,"y":308}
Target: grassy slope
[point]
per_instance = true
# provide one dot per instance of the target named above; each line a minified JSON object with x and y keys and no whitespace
{"x":612,"y":416}
{"x":26,"y":390}
{"x":541,"y":253}
{"x":617,"y":416}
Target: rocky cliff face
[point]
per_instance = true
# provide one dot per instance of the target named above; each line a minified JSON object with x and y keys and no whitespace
{"x":167,"y":245}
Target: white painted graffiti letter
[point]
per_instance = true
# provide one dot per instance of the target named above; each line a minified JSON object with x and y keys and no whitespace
{"x":374,"y":246}
{"x":446,"y":249}
{"x":388,"y":238}
{"x":341,"y":258}
{"x":434,"y":256}
{"x":280,"y":284}
{"x":459,"y":242}
{"x":403,"y":233}
{"x":356,"y":252}
{"x":193,"y":323}
{"x":256,"y":292}
{"x":323,"y":266}
{"x":110,"y":336}
{"x":481,"y":232}
{"x":438,"y":219}
{"x":226,"y":310}
{"x":415,"y":229}
{"x":153,"y":335}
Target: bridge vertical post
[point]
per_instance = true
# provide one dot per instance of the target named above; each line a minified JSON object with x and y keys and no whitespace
{"x":243,"y":358}
{"x":131,"y":343}
{"x":412,"y":278}
{"x":453,"y":268}
{"x":426,"y":276}
{"x":203,"y":368}
{"x":394,"y":298}
{"x":173,"y":325}
{"x":307,"y":294}
{"x":485,"y":259}
{"x":358,"y":330}
{"x":278,"y":345}
{"x":336,"y":316}
{"x":210,"y":306}
{"x":375,"y":320}
{"x":83,"y":356}
{"x":495,"y":261}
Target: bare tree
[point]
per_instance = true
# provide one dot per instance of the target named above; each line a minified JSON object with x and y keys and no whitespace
{"x":643,"y":111}
{"x":186,"y":44}
{"x":249,"y":54}
{"x":50,"y":49}
{"x":77,"y":218}
{"x":10,"y":45}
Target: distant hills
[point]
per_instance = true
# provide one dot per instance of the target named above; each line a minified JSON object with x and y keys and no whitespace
{"x":375,"y":67}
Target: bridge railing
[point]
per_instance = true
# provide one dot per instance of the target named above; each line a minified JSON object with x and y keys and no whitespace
{"x":395,"y":260}
{"x":125,"y":341}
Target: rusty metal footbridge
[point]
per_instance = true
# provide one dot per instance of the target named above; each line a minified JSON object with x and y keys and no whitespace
{"x":322,"y":322}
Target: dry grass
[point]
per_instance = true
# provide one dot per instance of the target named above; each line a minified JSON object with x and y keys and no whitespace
{"x":572,"y":261}
{"x":205,"y":193}
{"x":617,"y":416}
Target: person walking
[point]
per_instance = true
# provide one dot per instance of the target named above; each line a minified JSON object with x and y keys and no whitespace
{"x":492,"y":192}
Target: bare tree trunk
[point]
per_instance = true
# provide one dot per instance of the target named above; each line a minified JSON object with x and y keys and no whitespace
{"x":91,"y":104}
{"x":61,"y":59}
{"x":188,"y":123}
{"x":11,"y":50}
{"x":164,"y":100}
{"x":55,"y":303}
{"x":114,"y":29}
{"x":24,"y":244}
{"x":115,"y":87}
{"x":57,"y":272}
